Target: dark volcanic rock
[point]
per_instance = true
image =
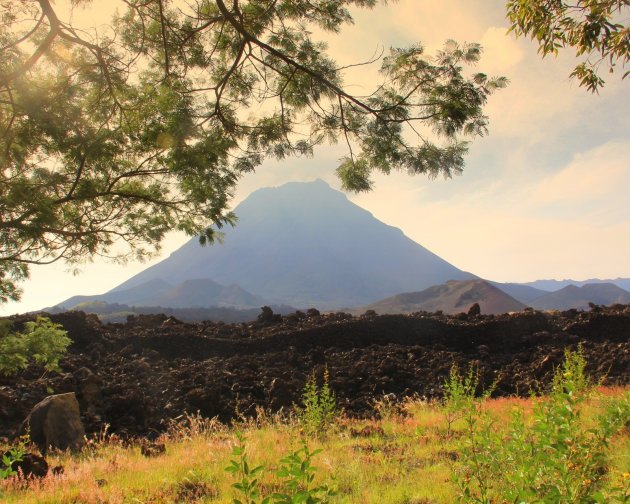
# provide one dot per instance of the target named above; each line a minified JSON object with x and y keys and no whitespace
{"x":147,"y":372}
{"x":55,"y":423}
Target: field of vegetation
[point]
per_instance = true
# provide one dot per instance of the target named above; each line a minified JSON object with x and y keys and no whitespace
{"x":571,"y":445}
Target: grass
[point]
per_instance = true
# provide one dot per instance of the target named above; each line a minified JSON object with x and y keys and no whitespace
{"x":571,"y":446}
{"x":408,"y":457}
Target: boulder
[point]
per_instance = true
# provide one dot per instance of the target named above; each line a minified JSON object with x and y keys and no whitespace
{"x":474,"y":310}
{"x":55,"y":423}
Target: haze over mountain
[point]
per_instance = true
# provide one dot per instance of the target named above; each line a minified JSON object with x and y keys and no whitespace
{"x":451,"y":297}
{"x":305,"y":244}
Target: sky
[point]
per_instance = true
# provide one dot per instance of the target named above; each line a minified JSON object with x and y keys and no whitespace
{"x":545,"y":195}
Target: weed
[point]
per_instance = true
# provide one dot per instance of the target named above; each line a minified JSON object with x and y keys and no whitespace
{"x":247,"y":484}
{"x":13,"y":455}
{"x":391,"y":408}
{"x":474,"y":475}
{"x":298,"y":476}
{"x":319,"y":406}
{"x":191,"y":425}
{"x":459,"y":396}
{"x":296,"y":472}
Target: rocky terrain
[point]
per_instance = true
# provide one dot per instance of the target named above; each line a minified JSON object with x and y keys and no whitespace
{"x":136,"y":376}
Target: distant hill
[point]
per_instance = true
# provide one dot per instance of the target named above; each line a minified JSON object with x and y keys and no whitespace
{"x":451,"y":297}
{"x":305,"y":244}
{"x":554,"y":285}
{"x":573,"y":296}
{"x":205,"y":293}
{"x":134,"y":295}
{"x":196,"y":293}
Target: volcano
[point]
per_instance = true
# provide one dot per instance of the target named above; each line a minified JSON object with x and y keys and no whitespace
{"x":304,"y":244}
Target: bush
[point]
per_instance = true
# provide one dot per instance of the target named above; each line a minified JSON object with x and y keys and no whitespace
{"x":42,"y":342}
{"x":555,"y":458}
{"x":319,"y":406}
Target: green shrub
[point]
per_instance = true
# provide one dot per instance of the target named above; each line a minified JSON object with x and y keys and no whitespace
{"x":42,"y":342}
{"x":14,"y":454}
{"x":555,"y":458}
{"x":319,"y":406}
{"x":296,"y":472}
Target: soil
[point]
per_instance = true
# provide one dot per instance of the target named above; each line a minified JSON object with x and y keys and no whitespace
{"x":136,"y":376}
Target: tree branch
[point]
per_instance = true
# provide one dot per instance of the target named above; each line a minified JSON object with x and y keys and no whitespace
{"x":48,"y":11}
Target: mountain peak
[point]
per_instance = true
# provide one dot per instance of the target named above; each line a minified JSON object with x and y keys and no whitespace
{"x":305,"y":244}
{"x":298,"y":195}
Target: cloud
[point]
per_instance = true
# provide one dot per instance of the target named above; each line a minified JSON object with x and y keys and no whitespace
{"x":505,"y":243}
{"x":502,"y":53}
{"x":602,"y":173}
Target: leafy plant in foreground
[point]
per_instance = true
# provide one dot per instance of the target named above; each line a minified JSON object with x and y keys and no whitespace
{"x":461,"y":402}
{"x":15,"y":454}
{"x":297,"y":478}
{"x":555,"y":458}
{"x":247,"y":484}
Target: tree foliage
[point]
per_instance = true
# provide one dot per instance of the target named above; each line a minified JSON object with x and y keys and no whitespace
{"x":112,"y":137}
{"x":42,"y":342}
{"x":597,"y":29}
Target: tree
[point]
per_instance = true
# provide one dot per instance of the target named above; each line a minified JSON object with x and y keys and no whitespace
{"x":112,"y":138}
{"x":597,"y":29}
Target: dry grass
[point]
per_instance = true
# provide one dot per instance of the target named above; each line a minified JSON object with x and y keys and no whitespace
{"x":405,"y":457}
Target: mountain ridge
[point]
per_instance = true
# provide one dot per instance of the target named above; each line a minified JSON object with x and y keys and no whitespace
{"x":579,"y":297}
{"x":551,"y":285}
